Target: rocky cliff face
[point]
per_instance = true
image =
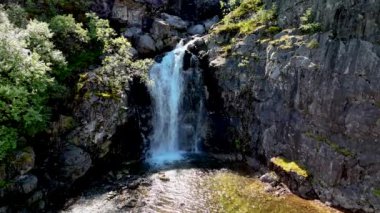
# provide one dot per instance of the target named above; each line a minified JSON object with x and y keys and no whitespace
{"x":313,"y":99}
{"x":309,"y":98}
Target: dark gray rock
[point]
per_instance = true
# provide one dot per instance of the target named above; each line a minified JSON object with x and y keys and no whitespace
{"x":132,"y":32}
{"x":146,"y":44}
{"x":175,"y":21}
{"x":345,"y":18}
{"x":269,"y":177}
{"x":198,"y":29}
{"x":316,"y":106}
{"x":25,"y":184}
{"x":73,"y":163}
{"x":210,"y":22}
{"x":103,"y":8}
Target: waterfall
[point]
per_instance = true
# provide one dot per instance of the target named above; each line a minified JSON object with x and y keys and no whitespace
{"x":177,"y":96}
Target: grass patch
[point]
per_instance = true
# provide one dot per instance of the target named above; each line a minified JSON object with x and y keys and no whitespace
{"x":289,"y":166}
{"x":313,"y":44}
{"x":376,"y":192}
{"x":230,"y":192}
{"x":246,"y":18}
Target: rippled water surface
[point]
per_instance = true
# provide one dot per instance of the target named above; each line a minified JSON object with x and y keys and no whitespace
{"x":191,"y":185}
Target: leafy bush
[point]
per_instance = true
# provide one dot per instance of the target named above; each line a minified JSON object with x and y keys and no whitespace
{"x":99,"y":29}
{"x":8,"y":140}
{"x":229,"y":5}
{"x":246,"y":18}
{"x":69,"y":36}
{"x":45,"y":9}
{"x":307,"y":25}
{"x":27,"y":59}
{"x":17,"y":15}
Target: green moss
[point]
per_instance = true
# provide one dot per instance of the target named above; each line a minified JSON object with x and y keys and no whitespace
{"x":320,"y":138}
{"x":273,"y":30}
{"x":289,"y":166}
{"x":313,"y":44}
{"x":230,"y":193}
{"x":227,"y":48}
{"x":376,"y":192}
{"x":67,"y":122}
{"x":107,"y":95}
{"x":246,"y":18}
{"x":284,"y":42}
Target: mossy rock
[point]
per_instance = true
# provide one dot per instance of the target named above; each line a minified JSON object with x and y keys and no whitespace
{"x":289,"y":166}
{"x":23,"y":161}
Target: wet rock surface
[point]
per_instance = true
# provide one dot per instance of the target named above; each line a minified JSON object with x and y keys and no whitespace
{"x":187,"y":186}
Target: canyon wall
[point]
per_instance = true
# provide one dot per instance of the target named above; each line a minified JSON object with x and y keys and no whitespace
{"x":309,"y":98}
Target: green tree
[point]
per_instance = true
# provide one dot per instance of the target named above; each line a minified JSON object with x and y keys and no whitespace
{"x":69,"y":36}
{"x":27,"y":59}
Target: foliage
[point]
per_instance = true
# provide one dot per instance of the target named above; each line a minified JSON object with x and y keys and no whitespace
{"x":313,"y":44}
{"x":27,"y":59}
{"x":8,"y":140}
{"x":308,"y":26}
{"x":117,"y":65}
{"x":376,"y":192}
{"x":289,"y":166}
{"x":272,"y":30}
{"x":69,"y":36}
{"x":45,"y":9}
{"x":17,"y":15}
{"x":246,"y":18}
{"x":100,"y":30}
{"x":229,"y":5}
{"x":38,"y":37}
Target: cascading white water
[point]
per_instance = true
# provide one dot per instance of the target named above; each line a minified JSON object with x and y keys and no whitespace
{"x":171,"y":117}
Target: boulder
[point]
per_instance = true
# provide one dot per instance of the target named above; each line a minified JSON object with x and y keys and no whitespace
{"x":210,"y":22}
{"x":198,"y":29}
{"x":128,"y":11}
{"x":146,"y":44}
{"x":269,"y":177}
{"x":103,"y":8}
{"x":73,"y":163}
{"x":175,"y":21}
{"x":23,"y":161}
{"x":132,"y":32}
{"x":25,"y":184}
{"x":160,"y":29}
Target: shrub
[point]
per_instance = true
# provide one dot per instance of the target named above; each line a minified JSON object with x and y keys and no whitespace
{"x":45,"y":9}
{"x":8,"y":140}
{"x":99,"y":29}
{"x":229,"y":5}
{"x":313,"y":44}
{"x":69,"y":36}
{"x":246,"y":18}
{"x":27,"y":58}
{"x":307,"y":25}
{"x":17,"y":15}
